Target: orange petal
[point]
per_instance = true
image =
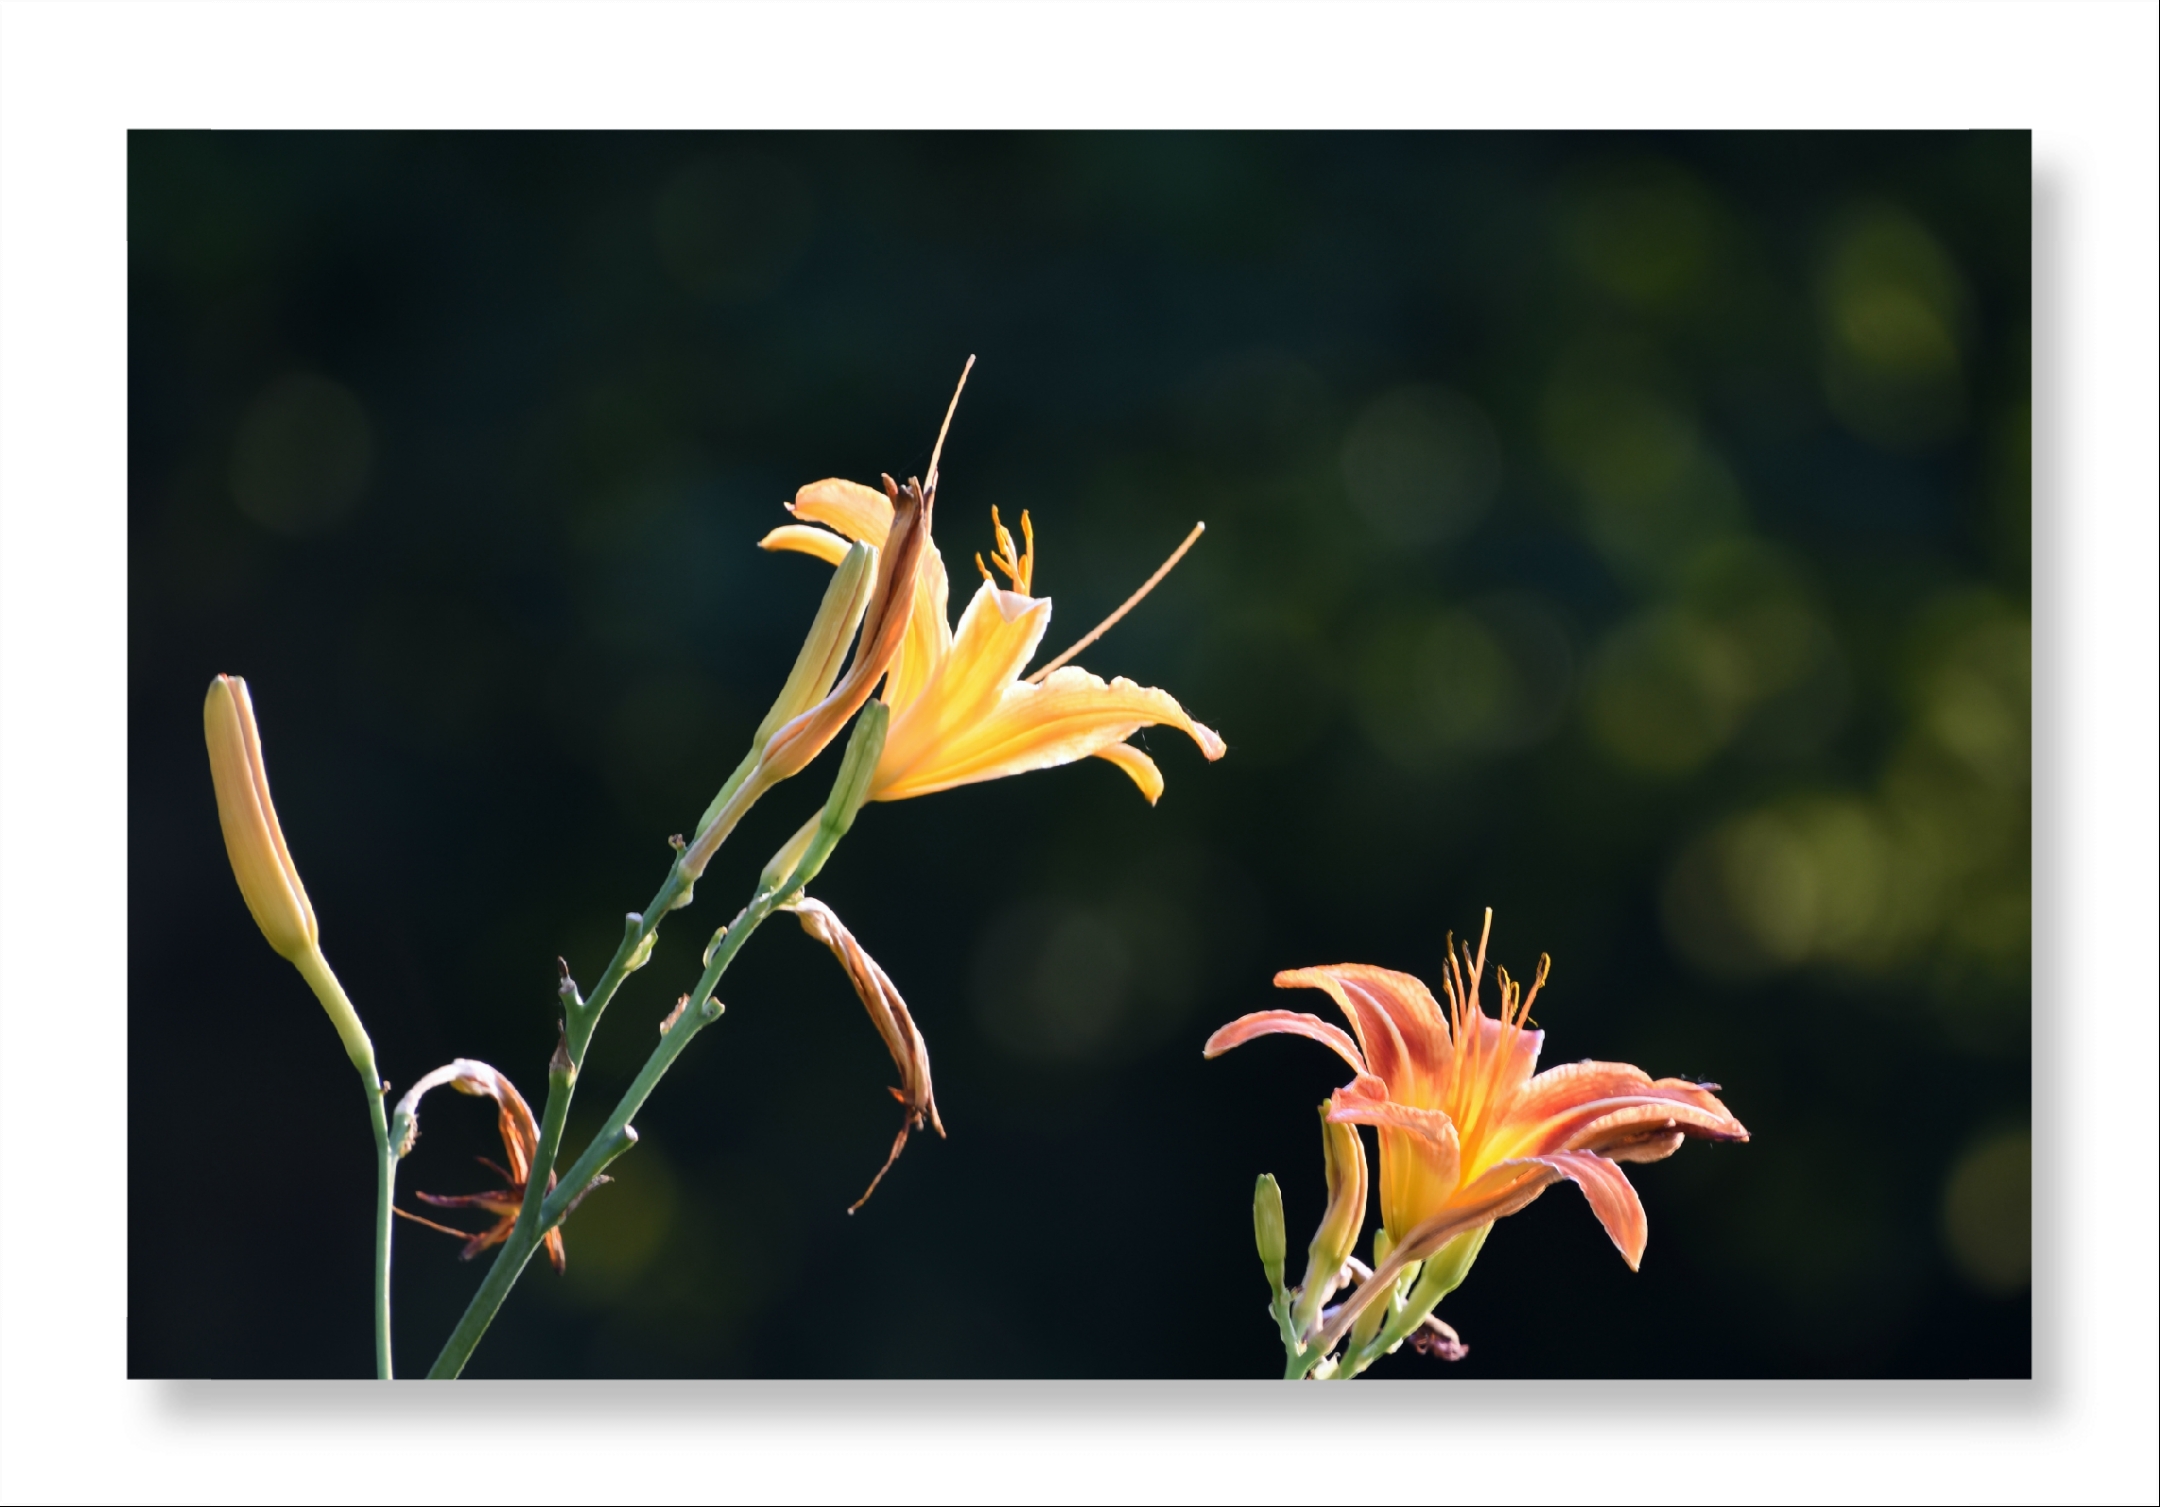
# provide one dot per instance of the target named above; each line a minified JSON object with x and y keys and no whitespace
{"x":850,"y":507}
{"x":1138,"y":765}
{"x":1505,"y":1056}
{"x":1651,"y":1146}
{"x":1365,"y":1102}
{"x":803,"y":540}
{"x":1612,"y":1198}
{"x":1285,"y":1023}
{"x":1588,"y":1105}
{"x":1420,"y":1154}
{"x":1496,"y":1197}
{"x":1396,"y":1019}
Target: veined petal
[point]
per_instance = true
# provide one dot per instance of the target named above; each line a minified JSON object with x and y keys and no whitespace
{"x":929,"y":635}
{"x":1630,"y":1122}
{"x":977,"y":721}
{"x":1612,"y":1198}
{"x":1285,"y":1023}
{"x":1364,"y":1101}
{"x":1494,"y":1060}
{"x":1420,"y":1154}
{"x":1586,"y":1105}
{"x":848,"y":506}
{"x":1138,"y":765}
{"x":1490,"y":1199}
{"x":804,"y":540}
{"x":1649,"y":1146}
{"x":997,"y":633}
{"x":1397,"y":1022}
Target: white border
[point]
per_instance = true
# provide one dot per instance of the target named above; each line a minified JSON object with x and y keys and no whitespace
{"x":74,"y":78}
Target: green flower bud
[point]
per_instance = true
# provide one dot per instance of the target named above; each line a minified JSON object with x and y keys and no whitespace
{"x":1267,"y":1223}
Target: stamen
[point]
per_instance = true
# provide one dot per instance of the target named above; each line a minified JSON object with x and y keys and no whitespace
{"x":1484,"y":936}
{"x":431,"y":1224}
{"x":930,"y":488}
{"x":1019,"y":565}
{"x":1544,"y":969}
{"x":1130,"y":602}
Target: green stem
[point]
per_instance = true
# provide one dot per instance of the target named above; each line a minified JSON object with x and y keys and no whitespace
{"x":315,"y":968}
{"x":385,"y":1187}
{"x":1441,"y":1275}
{"x":780,"y":885}
{"x":542,"y":1213}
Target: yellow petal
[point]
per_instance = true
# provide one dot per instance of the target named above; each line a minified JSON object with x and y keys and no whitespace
{"x":850,"y":507}
{"x":803,"y":540}
{"x":1138,"y":765}
{"x":929,"y":635}
{"x":997,"y":634}
{"x":1069,"y":716}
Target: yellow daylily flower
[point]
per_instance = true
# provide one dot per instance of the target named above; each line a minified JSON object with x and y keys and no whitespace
{"x":961,"y":709}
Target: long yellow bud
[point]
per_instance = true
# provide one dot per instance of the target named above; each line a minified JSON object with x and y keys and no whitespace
{"x":261,"y":862}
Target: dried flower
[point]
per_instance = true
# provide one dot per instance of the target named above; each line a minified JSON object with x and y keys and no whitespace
{"x":520,"y":1138}
{"x":889,"y":1013}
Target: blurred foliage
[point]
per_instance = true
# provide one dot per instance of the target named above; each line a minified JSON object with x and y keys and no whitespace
{"x":1626,"y":533}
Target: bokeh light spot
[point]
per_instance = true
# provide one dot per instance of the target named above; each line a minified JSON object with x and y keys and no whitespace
{"x":1078,"y":984}
{"x":1987,"y":1212}
{"x":1421,"y":464}
{"x":1892,"y":305}
{"x":1644,"y":231}
{"x":1665,"y":691}
{"x":301,"y":455}
{"x":1491,"y":676}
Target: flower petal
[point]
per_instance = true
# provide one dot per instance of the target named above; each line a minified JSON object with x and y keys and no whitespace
{"x":1364,"y":1101}
{"x":1138,"y":765}
{"x":976,"y":720}
{"x":1495,"y":1197}
{"x":1591,"y":1106}
{"x":1286,"y":1023}
{"x":1397,"y":1021}
{"x":1612,"y":1198}
{"x":853,"y":509}
{"x":997,"y":633}
{"x":1420,"y":1153}
{"x":1502,"y":1056}
{"x":929,"y":634}
{"x":804,"y":540}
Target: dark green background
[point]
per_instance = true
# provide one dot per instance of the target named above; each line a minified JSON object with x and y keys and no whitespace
{"x":1626,"y":533}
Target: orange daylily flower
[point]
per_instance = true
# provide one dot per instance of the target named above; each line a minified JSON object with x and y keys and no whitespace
{"x":520,"y":1138}
{"x":962,"y":711}
{"x":1469,"y":1130}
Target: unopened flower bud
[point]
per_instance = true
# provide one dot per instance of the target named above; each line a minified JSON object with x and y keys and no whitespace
{"x":1339,"y":1226}
{"x":825,"y":649}
{"x":798,"y":862}
{"x":1268,"y":1232}
{"x":255,"y":844}
{"x":253,"y":840}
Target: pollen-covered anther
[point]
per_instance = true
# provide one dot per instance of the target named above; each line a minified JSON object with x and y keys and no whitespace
{"x":1018,"y":565}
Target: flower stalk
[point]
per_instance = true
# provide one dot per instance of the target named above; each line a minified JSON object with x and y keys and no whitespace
{"x":270,"y":884}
